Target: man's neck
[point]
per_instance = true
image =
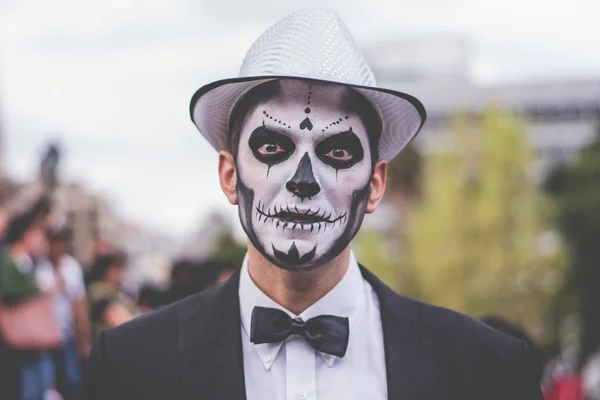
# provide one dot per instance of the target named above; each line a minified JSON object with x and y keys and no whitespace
{"x":296,"y":290}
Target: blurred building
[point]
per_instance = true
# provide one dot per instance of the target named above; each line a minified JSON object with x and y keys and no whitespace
{"x":8,"y":188}
{"x":202,"y":244}
{"x":432,"y":59}
{"x":561,"y":116}
{"x":89,"y":216}
{"x":150,"y":253}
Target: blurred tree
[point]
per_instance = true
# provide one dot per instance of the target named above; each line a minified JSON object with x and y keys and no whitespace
{"x":380,"y":250}
{"x":229,"y":249}
{"x":575,"y":189}
{"x":374,"y":250}
{"x":473,"y":241}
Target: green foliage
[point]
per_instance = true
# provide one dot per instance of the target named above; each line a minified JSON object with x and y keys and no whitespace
{"x":228,"y":249}
{"x":472,"y":243}
{"x":575,"y":189}
{"x":370,"y":249}
{"x":376,"y":251}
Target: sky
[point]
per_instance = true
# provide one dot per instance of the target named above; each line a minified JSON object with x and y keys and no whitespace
{"x":111,"y":80}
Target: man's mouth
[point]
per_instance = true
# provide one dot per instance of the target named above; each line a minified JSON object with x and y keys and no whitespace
{"x":291,"y":214}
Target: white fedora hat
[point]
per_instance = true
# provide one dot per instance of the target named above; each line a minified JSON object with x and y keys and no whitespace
{"x":311,"y":44}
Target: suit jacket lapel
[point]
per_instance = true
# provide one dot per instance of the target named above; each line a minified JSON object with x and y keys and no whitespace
{"x":211,"y":346}
{"x":212,"y":360}
{"x":414,"y":355}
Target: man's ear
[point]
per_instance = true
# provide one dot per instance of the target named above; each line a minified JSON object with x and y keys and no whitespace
{"x":378,"y":182}
{"x":228,"y":176}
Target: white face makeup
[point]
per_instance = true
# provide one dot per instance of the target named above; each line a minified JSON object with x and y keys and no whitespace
{"x":304,"y":168}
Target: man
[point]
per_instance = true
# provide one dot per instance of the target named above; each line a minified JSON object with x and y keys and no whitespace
{"x":304,"y":137}
{"x":72,"y":314}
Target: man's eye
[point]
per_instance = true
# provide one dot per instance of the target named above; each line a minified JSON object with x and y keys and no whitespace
{"x":339,"y":154}
{"x":270,"y":149}
{"x":340,"y":151}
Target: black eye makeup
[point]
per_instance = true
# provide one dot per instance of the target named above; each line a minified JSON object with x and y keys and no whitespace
{"x":341,"y":151}
{"x":270,"y":147}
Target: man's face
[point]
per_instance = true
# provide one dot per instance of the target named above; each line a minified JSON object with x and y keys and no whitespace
{"x":35,"y":241}
{"x":304,"y":167}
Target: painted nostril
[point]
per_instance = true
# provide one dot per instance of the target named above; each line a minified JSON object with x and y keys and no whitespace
{"x":303,"y":183}
{"x":303,"y":189}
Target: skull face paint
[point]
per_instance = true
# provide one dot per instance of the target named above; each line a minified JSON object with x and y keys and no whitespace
{"x":303,"y":180}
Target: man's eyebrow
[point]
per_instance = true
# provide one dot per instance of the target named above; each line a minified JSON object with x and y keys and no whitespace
{"x":275,"y":129}
{"x":336,"y":122}
{"x":272,"y":118}
{"x":341,"y":135}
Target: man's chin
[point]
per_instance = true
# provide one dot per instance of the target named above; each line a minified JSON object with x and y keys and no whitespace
{"x":297,"y":255}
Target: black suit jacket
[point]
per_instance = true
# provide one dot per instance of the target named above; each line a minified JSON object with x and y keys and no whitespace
{"x":193,"y":350}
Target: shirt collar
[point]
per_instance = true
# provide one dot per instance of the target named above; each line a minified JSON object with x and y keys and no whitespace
{"x":343,"y":300}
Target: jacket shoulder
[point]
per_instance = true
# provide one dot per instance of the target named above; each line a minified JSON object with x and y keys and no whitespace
{"x":463,"y":329}
{"x":480,"y":361}
{"x":488,"y":362}
{"x":157,"y":328}
{"x":141,"y":358}
{"x":441,"y":322}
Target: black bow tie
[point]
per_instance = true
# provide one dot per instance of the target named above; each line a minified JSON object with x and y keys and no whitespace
{"x":325,"y":333}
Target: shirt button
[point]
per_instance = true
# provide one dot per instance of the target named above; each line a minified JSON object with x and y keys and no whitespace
{"x":302,"y":396}
{"x":268,"y":359}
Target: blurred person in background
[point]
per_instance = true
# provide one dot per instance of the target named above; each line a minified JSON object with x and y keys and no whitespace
{"x":42,"y":209}
{"x":149,"y":298}
{"x":591,"y":377}
{"x":72,"y":314}
{"x":214,"y":271}
{"x":109,"y":306}
{"x":6,"y":366}
{"x":4,"y":222}
{"x":26,"y":374}
{"x":101,"y":247}
{"x":183,"y":281}
{"x":190,"y":276}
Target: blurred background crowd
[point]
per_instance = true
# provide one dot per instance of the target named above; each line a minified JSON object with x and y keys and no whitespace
{"x":494,"y":210}
{"x":51,"y":305}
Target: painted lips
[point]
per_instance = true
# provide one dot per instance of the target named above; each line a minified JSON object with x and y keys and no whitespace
{"x":293,"y":215}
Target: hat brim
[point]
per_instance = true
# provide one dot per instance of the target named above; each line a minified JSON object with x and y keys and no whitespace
{"x":402,"y":115}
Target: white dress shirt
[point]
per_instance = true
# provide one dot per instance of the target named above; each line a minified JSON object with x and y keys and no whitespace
{"x":293,"y":370}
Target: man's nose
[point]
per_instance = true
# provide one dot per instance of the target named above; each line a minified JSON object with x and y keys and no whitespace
{"x":303,"y":183}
